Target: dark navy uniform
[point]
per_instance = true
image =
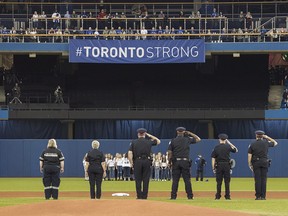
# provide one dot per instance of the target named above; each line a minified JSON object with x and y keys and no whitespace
{"x":95,"y":172}
{"x":200,"y":164}
{"x":258,"y":157}
{"x":141,"y":151}
{"x":221,"y":165}
{"x":51,"y":159}
{"x":178,"y":156}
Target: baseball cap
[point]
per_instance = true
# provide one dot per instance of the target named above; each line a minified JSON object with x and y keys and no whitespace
{"x":223,"y":136}
{"x":180,"y":129}
{"x":259,"y":132}
{"x":141,"y":130}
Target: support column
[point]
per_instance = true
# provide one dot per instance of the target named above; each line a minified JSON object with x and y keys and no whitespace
{"x":70,"y":128}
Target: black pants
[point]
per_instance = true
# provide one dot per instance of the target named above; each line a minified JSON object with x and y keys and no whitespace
{"x":51,"y":181}
{"x":142,"y":177}
{"x":260,"y":170}
{"x":223,"y":172}
{"x":95,"y":174}
{"x":199,"y":173}
{"x":179,"y":168}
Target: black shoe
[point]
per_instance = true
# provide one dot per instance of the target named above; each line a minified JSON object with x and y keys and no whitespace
{"x":228,"y":198}
{"x":263,"y":198}
{"x":172,"y":198}
{"x":258,"y":198}
{"x":217,"y":198}
{"x":190,"y":198}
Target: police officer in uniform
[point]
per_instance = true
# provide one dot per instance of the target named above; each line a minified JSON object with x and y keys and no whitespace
{"x":96,"y":169}
{"x":51,"y":165}
{"x":258,"y":162}
{"x":221,"y":164}
{"x":178,"y":157}
{"x":139,"y":155}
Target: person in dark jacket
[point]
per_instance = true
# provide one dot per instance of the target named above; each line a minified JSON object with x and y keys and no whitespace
{"x":51,"y":165}
{"x":96,"y":169}
{"x":178,"y":157}
{"x":139,"y":155}
{"x":258,"y":162}
{"x":200,"y":164}
{"x":221,"y":164}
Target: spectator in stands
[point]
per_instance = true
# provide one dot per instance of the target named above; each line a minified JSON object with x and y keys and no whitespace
{"x":67,"y":20}
{"x":35,"y":20}
{"x":51,"y":32}
{"x":56,"y":19}
{"x":59,"y":36}
{"x":42,"y":20}
{"x":112,"y":33}
{"x":96,"y":33}
{"x":249,"y":20}
{"x":105,"y":32}
{"x":241,"y":20}
{"x":192,"y":16}
{"x":66,"y":34}
{"x":130,"y":32}
{"x":160,"y":31}
{"x":73,"y":17}
{"x":144,"y":32}
{"x":166,"y":31}
{"x":214,"y":21}
{"x":102,"y":18}
{"x":161,"y":20}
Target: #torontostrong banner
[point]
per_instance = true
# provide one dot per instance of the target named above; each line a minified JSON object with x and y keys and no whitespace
{"x":136,"y":51}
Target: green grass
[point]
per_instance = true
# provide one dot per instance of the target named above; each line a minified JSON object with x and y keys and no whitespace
{"x":270,"y":207}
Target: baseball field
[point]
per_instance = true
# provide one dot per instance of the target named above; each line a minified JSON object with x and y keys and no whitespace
{"x":24,"y":196}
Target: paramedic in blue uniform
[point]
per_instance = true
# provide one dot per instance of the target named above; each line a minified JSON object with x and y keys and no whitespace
{"x":221,"y":164}
{"x":178,"y":157}
{"x":96,"y":169}
{"x":258,"y":162}
{"x":51,"y":165}
{"x":139,"y":155}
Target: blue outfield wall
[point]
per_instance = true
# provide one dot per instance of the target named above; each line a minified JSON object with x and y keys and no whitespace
{"x":20,"y":158}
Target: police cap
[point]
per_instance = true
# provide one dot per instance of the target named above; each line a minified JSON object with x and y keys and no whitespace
{"x":259,"y":132}
{"x":180,"y":129}
{"x":223,"y":136}
{"x":141,"y":130}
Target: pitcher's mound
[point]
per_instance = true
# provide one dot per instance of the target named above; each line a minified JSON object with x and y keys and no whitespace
{"x":112,"y":207}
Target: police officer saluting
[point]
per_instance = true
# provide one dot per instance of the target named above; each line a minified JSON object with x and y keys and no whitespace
{"x":221,"y":164}
{"x":51,"y":164}
{"x":258,"y":162}
{"x":96,"y":169}
{"x":140,"y":159}
{"x":178,"y":157}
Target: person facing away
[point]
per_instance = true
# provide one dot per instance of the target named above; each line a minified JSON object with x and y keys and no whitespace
{"x":258,"y":162}
{"x":178,"y":158}
{"x":96,"y":169}
{"x":221,"y":164}
{"x":139,"y":155}
{"x":51,"y":165}
{"x":200,"y":164}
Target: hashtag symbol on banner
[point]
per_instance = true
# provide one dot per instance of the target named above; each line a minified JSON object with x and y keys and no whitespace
{"x":79,"y":51}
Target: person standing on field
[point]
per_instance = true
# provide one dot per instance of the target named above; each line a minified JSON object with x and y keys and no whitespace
{"x":51,"y":165}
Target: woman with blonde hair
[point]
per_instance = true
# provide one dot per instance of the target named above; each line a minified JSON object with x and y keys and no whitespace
{"x":51,"y":165}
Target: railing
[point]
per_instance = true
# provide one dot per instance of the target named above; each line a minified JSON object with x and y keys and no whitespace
{"x":19,"y":14}
{"x":270,"y":36}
